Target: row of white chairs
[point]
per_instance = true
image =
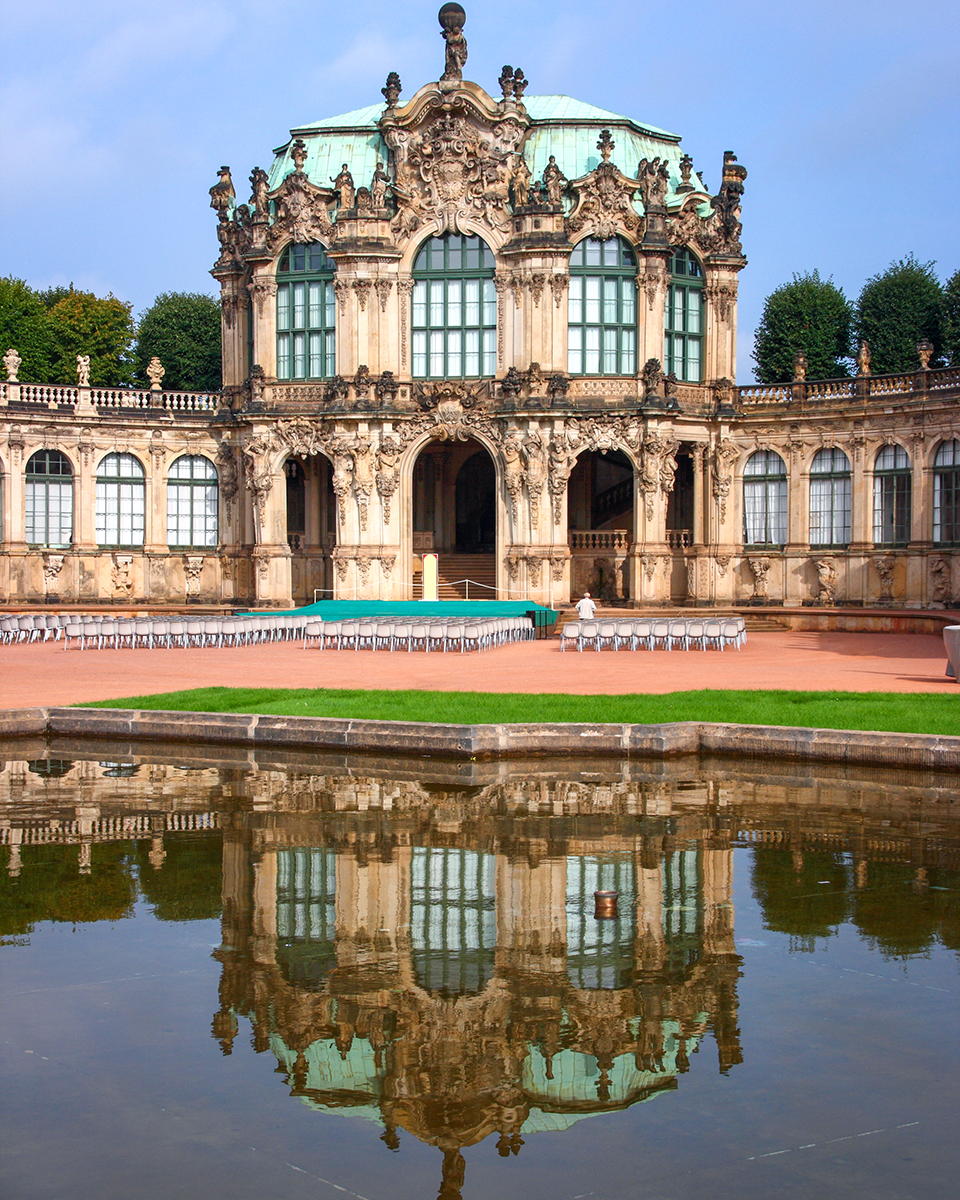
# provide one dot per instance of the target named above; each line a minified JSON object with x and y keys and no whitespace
{"x":32,"y":627}
{"x":667,"y":633}
{"x":432,"y":633}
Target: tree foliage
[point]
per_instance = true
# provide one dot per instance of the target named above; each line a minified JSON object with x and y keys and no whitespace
{"x":897,"y":309}
{"x":49,"y":329}
{"x":183,"y":330}
{"x":809,"y":314}
{"x":950,"y":320}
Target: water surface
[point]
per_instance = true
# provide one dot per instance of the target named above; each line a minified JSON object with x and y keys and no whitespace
{"x":309,"y":977}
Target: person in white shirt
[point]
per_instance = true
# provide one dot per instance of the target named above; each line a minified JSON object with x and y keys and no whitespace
{"x":586,"y":609}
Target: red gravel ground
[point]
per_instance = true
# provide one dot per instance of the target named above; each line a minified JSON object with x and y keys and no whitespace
{"x":46,"y":674}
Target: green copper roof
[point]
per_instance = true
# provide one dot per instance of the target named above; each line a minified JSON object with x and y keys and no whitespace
{"x":566,"y":128}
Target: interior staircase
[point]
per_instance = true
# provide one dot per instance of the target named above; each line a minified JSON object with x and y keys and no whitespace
{"x":478,"y":569}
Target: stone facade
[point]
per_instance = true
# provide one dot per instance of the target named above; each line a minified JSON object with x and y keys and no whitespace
{"x":341,"y":450}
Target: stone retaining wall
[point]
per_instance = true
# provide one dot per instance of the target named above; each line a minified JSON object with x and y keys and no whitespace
{"x":422,"y":739}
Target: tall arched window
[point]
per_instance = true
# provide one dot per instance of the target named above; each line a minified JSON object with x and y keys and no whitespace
{"x":891,"y":497}
{"x":454,"y":309}
{"x":765,"y":499}
{"x":306,"y":314}
{"x":946,"y":494}
{"x":602,"y":308}
{"x":192,"y":519}
{"x":121,"y":501}
{"x":683,"y":343}
{"x":830,"y":498}
{"x":49,"y":499}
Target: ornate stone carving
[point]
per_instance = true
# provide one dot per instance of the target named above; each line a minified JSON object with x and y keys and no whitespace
{"x":604,"y":200}
{"x":261,"y":290}
{"x":668,"y":465}
{"x":512,"y":453}
{"x":554,"y":181}
{"x":83,"y":370}
{"x":722,"y":296}
{"x":535,"y":473}
{"x":16,"y":443}
{"x":691,"y":565}
{"x":52,"y":566}
{"x":383,"y":287}
{"x":11,"y":364}
{"x":155,"y":373}
{"x":258,"y":473}
{"x":512,"y":383}
{"x":363,"y":567}
{"x":192,"y":571}
{"x":386,"y":387}
{"x":341,"y":289}
{"x":558,"y":564}
{"x":723,"y":562}
{"x":562,"y":459}
{"x":925,"y":350}
{"x":520,"y":179}
{"x":863,"y":358}
{"x":654,"y":179}
{"x":362,"y":382}
{"x":391,"y":92}
{"x":364,"y":476}
{"x":452,"y":19}
{"x":512,"y":563}
{"x":387,"y":562}
{"x":121,"y":576}
{"x":362,"y":288}
{"x":342,"y":564}
{"x":760,"y":568}
{"x":827,"y":581}
{"x":535,"y":284}
{"x":261,"y":567}
{"x":226,"y":470}
{"x":533,"y":570}
{"x":648,"y":563}
{"x":940,"y":574}
{"x":558,"y":285}
{"x":726,"y":205}
{"x":342,"y":475}
{"x":724,"y":456}
{"x":885,"y":565}
{"x":301,"y":208}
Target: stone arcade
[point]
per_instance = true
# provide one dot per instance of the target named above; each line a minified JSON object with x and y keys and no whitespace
{"x":502,"y":329}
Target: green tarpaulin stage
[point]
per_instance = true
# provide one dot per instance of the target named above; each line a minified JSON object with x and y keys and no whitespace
{"x":348,"y":610}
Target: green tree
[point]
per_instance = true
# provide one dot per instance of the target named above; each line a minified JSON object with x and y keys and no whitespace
{"x":24,"y":327}
{"x":82,"y":323}
{"x":183,"y":330}
{"x":896,"y":310}
{"x":809,"y":314}
{"x":950,"y":320}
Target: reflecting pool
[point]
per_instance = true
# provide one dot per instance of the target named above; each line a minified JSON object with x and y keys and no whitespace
{"x":237,"y":975}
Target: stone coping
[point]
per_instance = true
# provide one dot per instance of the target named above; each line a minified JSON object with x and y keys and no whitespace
{"x":427,"y":740}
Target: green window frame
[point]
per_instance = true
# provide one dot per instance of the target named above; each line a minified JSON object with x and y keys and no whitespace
{"x":830,"y":498}
{"x":192,"y":503}
{"x":946,"y":494}
{"x":49,"y":500}
{"x":765,"y":513}
{"x":121,"y":501}
{"x":306,"y":313}
{"x":684,"y":318}
{"x":602,"y":308}
{"x":454,"y":309}
{"x":892,"y":489}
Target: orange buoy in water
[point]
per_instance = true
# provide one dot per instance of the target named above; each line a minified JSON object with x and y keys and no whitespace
{"x":605,"y":905}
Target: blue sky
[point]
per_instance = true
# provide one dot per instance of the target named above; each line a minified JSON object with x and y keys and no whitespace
{"x":115,"y":114}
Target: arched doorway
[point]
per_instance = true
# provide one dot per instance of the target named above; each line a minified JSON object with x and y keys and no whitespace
{"x":311,"y":527}
{"x":455,"y":516}
{"x":600,"y":503}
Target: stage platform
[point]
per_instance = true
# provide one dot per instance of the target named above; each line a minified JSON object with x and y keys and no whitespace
{"x":349,"y":610}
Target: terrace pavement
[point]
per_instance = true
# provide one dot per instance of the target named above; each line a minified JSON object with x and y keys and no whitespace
{"x":46,"y":675}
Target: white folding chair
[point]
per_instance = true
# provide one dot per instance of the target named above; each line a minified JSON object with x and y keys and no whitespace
{"x":569,"y":633}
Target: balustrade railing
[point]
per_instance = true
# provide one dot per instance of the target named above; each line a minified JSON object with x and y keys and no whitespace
{"x":617,"y":540}
{"x":860,"y":386}
{"x":48,"y":395}
{"x":679,"y":539}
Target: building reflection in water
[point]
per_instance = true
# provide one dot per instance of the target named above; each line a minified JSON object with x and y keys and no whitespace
{"x":419,"y":948}
{"x":465,"y":990}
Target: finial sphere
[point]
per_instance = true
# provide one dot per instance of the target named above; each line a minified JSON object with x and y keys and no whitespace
{"x":452,"y":16}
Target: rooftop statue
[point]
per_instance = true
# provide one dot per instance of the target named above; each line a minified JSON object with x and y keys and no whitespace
{"x":452,"y":17}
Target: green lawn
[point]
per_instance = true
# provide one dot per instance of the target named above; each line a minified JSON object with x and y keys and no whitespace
{"x":891,"y":711}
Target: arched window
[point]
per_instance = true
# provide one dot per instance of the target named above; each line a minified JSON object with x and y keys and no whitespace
{"x":891,"y":497}
{"x":683,"y":342}
{"x":830,"y":498}
{"x":121,"y":502}
{"x":454,"y":309}
{"x":192,"y":502}
{"x":49,"y":499}
{"x":306,"y":314}
{"x":946,"y":494}
{"x":602,"y":308}
{"x":765,"y":499}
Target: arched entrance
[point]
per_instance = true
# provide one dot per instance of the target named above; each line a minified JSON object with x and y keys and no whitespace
{"x":311,"y":527}
{"x":600,"y":503}
{"x":455,"y":516}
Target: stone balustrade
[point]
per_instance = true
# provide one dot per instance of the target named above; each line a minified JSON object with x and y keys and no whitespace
{"x":617,"y":540}
{"x":43,"y":395}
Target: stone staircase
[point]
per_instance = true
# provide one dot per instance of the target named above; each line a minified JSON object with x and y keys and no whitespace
{"x":479,"y":569}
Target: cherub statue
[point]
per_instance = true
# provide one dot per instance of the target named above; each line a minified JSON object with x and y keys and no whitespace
{"x":83,"y":370}
{"x":12,"y":361}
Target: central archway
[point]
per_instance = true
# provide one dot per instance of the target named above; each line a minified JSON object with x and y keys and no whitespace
{"x":455,"y":516}
{"x":600,"y":507}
